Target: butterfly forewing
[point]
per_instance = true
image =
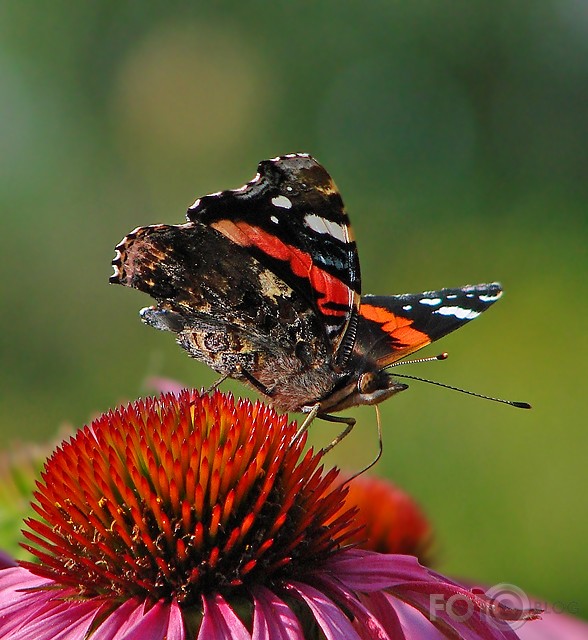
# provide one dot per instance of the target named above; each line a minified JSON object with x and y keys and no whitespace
{"x":291,"y":218}
{"x":392,"y":327}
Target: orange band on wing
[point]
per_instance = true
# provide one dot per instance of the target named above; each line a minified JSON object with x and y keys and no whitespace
{"x":406,"y":339}
{"x":328,"y":287}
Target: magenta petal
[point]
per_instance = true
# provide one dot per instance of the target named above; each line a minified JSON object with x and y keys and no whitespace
{"x":29,"y":612}
{"x":220,"y":622}
{"x":371,"y":571}
{"x":41,"y":615}
{"x":368,"y":625}
{"x":272,"y":618}
{"x":554,"y":626}
{"x":468,"y":625}
{"x":14,"y":579}
{"x":413,"y":624}
{"x":333,"y":622}
{"x":133,"y":619}
{"x":62,"y":621}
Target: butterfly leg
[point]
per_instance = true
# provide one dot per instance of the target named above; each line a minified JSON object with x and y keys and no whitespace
{"x":216,"y":383}
{"x":312,"y":414}
{"x":350,"y":422}
{"x":255,"y":383}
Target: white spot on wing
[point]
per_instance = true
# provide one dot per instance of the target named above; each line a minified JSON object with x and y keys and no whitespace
{"x":328,"y":227}
{"x":196,"y":203}
{"x":282,"y":201}
{"x":458,"y":312}
{"x":290,"y":155}
{"x":490,"y":298}
{"x":256,"y":178}
{"x":274,"y":219}
{"x":407,"y":307}
{"x":433,"y":302}
{"x":453,"y":296}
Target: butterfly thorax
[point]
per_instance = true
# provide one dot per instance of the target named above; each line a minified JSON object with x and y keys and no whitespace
{"x":290,"y":387}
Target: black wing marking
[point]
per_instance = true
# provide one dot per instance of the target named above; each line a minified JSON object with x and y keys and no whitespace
{"x":392,"y":327}
{"x":292,"y":219}
{"x":227,"y":309}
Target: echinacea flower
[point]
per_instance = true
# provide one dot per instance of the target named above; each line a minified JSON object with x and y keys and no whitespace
{"x":195,"y":516}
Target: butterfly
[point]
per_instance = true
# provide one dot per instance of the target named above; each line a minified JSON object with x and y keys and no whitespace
{"x":262,"y":283}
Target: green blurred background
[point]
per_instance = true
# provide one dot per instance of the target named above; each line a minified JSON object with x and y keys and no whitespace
{"x":458,"y":135}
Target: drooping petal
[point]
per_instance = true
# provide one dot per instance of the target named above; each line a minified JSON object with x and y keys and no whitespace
{"x":368,"y":625}
{"x":272,"y":617}
{"x":450,"y":607}
{"x":65,"y":621}
{"x":368,"y":571}
{"x":554,"y":626}
{"x":331,"y":619}
{"x":41,"y":614}
{"x":412,"y":624}
{"x":162,"y":621}
{"x":220,"y":622}
{"x":459,"y":618}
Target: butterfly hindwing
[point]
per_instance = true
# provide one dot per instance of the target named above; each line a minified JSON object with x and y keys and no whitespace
{"x":225,"y":307}
{"x":392,"y":327}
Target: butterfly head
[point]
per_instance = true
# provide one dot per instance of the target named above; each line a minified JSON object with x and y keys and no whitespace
{"x":370,"y":387}
{"x":375,"y":386}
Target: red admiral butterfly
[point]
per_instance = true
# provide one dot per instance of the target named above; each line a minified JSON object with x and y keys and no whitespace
{"x":263,"y":285}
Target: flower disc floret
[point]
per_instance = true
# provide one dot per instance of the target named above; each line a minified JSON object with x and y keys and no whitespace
{"x":177,"y":496}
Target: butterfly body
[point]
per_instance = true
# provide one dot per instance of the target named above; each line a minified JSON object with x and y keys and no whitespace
{"x":262,"y":284}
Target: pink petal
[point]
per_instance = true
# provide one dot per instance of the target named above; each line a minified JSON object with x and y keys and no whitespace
{"x":220,"y":622}
{"x":62,"y":621}
{"x":272,"y":618}
{"x":429,"y":593}
{"x":368,"y":625}
{"x":413,"y":624}
{"x":165,"y":385}
{"x":41,"y":615}
{"x":371,"y":571}
{"x":133,"y":619}
{"x":54,"y":614}
{"x":333,"y":622}
{"x":468,"y":625}
{"x":554,"y":626}
{"x":15,"y":578}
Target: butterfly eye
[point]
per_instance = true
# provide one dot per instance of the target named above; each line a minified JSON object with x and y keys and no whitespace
{"x":368,"y":383}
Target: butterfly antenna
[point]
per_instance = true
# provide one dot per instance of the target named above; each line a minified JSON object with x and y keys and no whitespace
{"x":441,"y":356}
{"x":513,"y":403}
